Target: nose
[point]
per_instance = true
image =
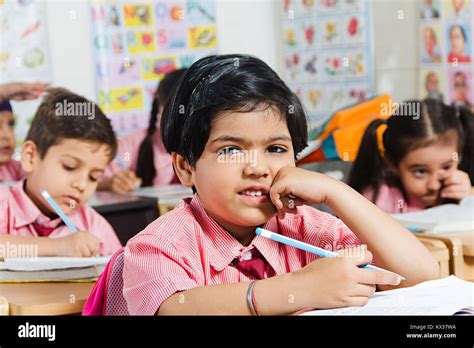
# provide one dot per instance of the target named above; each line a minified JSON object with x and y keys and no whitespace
{"x":434,"y":183}
{"x":256,"y":167}
{"x":80,"y":182}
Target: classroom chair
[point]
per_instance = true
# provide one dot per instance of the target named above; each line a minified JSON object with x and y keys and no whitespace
{"x":106,"y":298}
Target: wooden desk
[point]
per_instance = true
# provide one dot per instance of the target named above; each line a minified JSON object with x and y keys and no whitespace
{"x":461,"y":252}
{"x":45,"y":298}
{"x":441,"y":253}
{"x":127,"y":214}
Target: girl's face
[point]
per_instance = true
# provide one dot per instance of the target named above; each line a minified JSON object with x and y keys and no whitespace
{"x":69,"y":171}
{"x":233,"y":176}
{"x":7,"y":136}
{"x":457,"y":41}
{"x":423,"y":170}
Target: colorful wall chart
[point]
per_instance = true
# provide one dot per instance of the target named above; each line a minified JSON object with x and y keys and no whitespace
{"x":136,"y":42}
{"x":446,"y":51}
{"x":24,"y":53}
{"x":327,"y":54}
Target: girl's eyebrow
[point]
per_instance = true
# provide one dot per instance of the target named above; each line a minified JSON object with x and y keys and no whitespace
{"x":246,"y":141}
{"x":418,"y":165}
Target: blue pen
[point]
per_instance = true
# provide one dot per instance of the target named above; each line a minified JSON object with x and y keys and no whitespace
{"x":414,"y":229}
{"x":58,"y":210}
{"x":121,"y":162}
{"x":124,"y":167}
{"x":308,"y":247}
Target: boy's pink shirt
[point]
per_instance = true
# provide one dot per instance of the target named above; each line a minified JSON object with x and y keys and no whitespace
{"x":128,"y":147}
{"x":18,"y":213}
{"x":390,"y":199}
{"x":186,"y":248}
{"x":11,"y":171}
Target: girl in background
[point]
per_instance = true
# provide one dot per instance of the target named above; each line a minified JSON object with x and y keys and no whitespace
{"x":414,"y":161}
{"x":142,"y":151}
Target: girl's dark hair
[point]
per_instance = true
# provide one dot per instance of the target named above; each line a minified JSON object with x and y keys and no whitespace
{"x":416,"y":124}
{"x":220,"y":83}
{"x":145,"y":163}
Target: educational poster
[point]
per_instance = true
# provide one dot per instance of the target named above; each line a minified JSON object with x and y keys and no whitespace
{"x":327,"y":54}
{"x":24,"y":53}
{"x":446,"y":51}
{"x":136,"y":42}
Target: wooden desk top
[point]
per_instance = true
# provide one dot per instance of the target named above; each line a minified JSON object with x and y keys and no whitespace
{"x":46,"y":298}
{"x":466,"y":238}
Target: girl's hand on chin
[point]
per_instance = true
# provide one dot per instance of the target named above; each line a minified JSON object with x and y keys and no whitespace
{"x":294,"y":187}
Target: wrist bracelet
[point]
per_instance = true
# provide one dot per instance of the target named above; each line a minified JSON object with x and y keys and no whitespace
{"x":251,"y":299}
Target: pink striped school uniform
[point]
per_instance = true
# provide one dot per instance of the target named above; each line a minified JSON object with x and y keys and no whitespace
{"x":186,"y":248}
{"x":128,"y":147}
{"x":11,"y":171}
{"x":390,"y":199}
{"x":19,"y":216}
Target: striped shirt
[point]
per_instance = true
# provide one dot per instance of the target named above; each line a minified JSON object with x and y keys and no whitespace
{"x":186,"y":248}
{"x":19,"y":214}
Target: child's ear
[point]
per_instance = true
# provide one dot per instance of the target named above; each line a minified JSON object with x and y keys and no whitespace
{"x":183,"y":169}
{"x":29,"y":153}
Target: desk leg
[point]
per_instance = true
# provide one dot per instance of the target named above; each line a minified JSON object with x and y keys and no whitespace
{"x":4,"y":307}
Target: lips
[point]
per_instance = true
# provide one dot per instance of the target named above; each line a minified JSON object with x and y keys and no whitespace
{"x":5,"y":149}
{"x":256,"y":194}
{"x":69,"y":199}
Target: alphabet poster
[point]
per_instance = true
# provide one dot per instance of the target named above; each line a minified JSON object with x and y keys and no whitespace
{"x":446,"y":51}
{"x":136,"y":42}
{"x":24,"y":54}
{"x":327,"y":54}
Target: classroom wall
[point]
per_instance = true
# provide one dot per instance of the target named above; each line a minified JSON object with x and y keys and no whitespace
{"x":244,"y":26}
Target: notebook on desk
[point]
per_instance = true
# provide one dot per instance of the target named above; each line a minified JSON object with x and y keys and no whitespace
{"x":446,"y":218}
{"x":446,"y":296}
{"x":51,"y":268}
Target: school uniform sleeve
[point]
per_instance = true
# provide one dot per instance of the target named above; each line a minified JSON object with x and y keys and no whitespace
{"x":128,"y":147}
{"x":99,"y":227}
{"x":155,"y":268}
{"x":326,"y":231}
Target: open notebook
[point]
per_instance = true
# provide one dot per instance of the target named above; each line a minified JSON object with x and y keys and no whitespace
{"x":435,"y":297}
{"x":52,"y":268}
{"x":445,"y":218}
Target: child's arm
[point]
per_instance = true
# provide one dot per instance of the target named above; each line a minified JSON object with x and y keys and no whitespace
{"x":80,"y":244}
{"x":394,"y":248}
{"x":121,"y":182}
{"x":323,"y":283}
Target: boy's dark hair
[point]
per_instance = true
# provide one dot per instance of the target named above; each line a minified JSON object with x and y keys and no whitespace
{"x":219,"y":83}
{"x":145,"y":164}
{"x":406,"y":133}
{"x":65,"y":115}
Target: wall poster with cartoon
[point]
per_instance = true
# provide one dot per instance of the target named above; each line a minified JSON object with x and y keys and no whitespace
{"x":446,"y":51}
{"x":327,"y":54}
{"x":136,"y":42}
{"x":24,"y":54}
